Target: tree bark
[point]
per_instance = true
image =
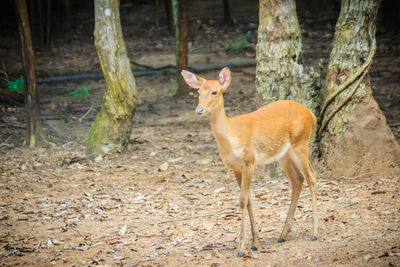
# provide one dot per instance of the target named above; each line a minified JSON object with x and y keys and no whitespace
{"x":33,"y":134}
{"x":279,"y":71}
{"x":355,"y":138}
{"x":179,"y":8}
{"x":111,"y":130}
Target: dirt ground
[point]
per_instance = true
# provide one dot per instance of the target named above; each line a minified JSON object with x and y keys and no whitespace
{"x":169,"y":200}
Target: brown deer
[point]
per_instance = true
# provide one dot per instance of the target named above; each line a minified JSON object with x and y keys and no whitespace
{"x":279,"y":131}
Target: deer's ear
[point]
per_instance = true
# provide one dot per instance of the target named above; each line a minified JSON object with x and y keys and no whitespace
{"x":225,"y":78}
{"x":192,"y":80}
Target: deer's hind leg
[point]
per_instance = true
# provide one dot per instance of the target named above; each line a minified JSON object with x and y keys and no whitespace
{"x":301,"y":160}
{"x":296,"y":180}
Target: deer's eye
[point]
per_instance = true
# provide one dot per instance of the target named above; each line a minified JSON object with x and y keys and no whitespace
{"x":214,"y":93}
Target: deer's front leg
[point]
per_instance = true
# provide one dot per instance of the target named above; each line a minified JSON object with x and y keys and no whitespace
{"x":256,"y":243}
{"x":247,"y":174}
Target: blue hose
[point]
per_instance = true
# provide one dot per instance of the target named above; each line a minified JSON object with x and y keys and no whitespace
{"x":145,"y":72}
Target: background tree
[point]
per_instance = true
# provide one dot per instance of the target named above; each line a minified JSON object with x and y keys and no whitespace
{"x":355,"y":137}
{"x":180,"y":17}
{"x":111,"y":130}
{"x":227,"y":13}
{"x":279,"y":72}
{"x":33,"y":134}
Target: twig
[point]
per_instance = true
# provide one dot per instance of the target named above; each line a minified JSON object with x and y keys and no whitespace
{"x":84,"y":115}
{"x":54,"y":128}
{"x":64,"y":145}
{"x":4,"y":143}
{"x":395,"y":124}
{"x":84,"y":237}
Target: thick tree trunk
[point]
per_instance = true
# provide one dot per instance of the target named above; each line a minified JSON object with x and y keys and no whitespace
{"x":111,"y":130}
{"x":280,"y":73}
{"x":355,"y":139}
{"x":33,"y":134}
{"x":179,"y":8}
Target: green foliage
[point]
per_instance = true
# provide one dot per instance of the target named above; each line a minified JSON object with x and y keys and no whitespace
{"x":161,"y":99}
{"x":239,"y":45}
{"x":81,"y":92}
{"x":17,"y":85}
{"x":173,"y":88}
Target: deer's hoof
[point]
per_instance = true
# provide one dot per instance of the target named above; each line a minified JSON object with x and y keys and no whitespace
{"x":314,"y":238}
{"x":240,"y":254}
{"x":281,"y":240}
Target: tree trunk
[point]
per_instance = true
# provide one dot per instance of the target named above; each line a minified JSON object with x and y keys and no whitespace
{"x":168,"y":12}
{"x":66,"y":15}
{"x":111,"y":130}
{"x":179,"y":9}
{"x":355,"y":139}
{"x":33,"y":134}
{"x":227,"y":13}
{"x":279,"y":72}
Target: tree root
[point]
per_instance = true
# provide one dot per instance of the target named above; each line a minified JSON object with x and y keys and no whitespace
{"x":344,"y":102}
{"x":363,"y":70}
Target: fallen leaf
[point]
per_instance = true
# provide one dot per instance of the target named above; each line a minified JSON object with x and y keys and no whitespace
{"x":175,"y":160}
{"x":164,"y":166}
{"x":49,"y":243}
{"x":205,"y":161}
{"x":216,"y":191}
{"x":123,"y":230}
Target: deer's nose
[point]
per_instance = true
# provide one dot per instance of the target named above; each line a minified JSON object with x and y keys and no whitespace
{"x":199,"y":110}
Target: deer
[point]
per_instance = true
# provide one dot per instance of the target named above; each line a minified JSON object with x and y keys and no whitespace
{"x":279,"y":131}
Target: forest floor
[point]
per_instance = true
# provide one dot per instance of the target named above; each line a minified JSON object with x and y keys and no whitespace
{"x":169,"y":200}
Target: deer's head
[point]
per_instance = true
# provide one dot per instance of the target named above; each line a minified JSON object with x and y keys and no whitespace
{"x":210,"y":91}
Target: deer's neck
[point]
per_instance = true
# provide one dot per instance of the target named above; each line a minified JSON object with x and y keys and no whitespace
{"x":219,"y":122}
